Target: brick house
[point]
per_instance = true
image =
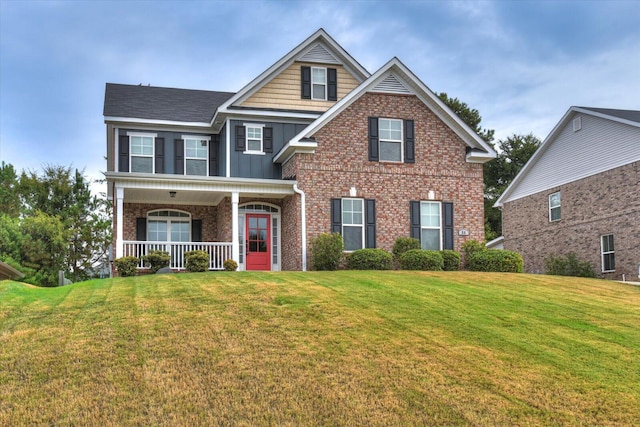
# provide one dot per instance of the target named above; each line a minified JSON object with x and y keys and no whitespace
{"x":313,"y":144}
{"x":580,"y":192}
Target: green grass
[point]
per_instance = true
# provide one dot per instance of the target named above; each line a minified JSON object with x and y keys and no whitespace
{"x":321,"y":348}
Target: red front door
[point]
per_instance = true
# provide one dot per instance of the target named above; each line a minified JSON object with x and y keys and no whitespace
{"x":257,"y":244}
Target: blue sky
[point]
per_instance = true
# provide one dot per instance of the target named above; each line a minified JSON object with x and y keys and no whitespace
{"x":521,"y":64}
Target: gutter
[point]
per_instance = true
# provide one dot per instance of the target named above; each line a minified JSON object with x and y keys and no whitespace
{"x":303,"y":212}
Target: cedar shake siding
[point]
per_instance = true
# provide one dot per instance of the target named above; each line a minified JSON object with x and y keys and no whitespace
{"x":341,"y":162}
{"x":602,"y":204}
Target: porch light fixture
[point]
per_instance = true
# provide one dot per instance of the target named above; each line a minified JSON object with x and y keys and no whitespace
{"x":172,"y":194}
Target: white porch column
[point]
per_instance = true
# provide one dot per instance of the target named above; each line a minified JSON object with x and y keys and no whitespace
{"x":119,"y":221}
{"x":235,"y":244}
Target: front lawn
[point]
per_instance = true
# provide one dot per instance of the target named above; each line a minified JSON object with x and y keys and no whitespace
{"x":321,"y":348}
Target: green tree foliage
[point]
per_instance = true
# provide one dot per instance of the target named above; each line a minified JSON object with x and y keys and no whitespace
{"x":60,"y":192}
{"x":470,"y":116}
{"x":43,"y":247}
{"x":513,"y":153}
{"x":50,"y":221}
{"x":9,"y":197}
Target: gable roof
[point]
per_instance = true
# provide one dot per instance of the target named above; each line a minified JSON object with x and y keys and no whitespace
{"x":319,"y":47}
{"x":393,"y":77}
{"x":613,"y":116}
{"x":161,"y":103}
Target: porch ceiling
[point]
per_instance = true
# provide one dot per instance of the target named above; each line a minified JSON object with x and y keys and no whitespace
{"x":186,"y":197}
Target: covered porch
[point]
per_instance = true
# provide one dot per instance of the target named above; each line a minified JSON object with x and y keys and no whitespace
{"x":228,"y":218}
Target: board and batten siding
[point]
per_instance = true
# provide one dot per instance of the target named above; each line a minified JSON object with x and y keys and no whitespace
{"x":283,"y":91}
{"x":599,"y":145}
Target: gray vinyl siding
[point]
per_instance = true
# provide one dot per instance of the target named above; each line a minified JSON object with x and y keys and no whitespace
{"x":600,"y":145}
{"x":261,"y":166}
{"x":169,"y":146}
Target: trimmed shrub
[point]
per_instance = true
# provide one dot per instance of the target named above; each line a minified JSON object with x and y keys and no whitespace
{"x":469,"y":248}
{"x":451,"y":260}
{"x":230,"y":265}
{"x":402,"y":245}
{"x":196,"y":261}
{"x":369,"y":259}
{"x":157,"y":259}
{"x":496,"y":260}
{"x":569,"y":265}
{"x":326,"y":251}
{"x":127,"y":266}
{"x":419,"y":259}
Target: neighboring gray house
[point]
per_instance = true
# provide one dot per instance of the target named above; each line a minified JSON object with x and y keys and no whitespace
{"x":580,"y":192}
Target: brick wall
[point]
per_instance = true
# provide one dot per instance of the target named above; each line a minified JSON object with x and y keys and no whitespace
{"x":607,"y":203}
{"x":341,"y":162}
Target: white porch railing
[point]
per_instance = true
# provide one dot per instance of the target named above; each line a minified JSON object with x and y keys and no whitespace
{"x":218,"y":252}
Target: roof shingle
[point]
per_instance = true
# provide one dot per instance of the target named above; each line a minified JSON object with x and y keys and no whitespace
{"x":161,"y":103}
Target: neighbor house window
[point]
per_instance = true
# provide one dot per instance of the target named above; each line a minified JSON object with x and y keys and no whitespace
{"x":608,"y":253}
{"x":141,"y":153}
{"x":254,"y":139}
{"x":353,"y":224}
{"x":554,"y":206}
{"x":196,"y":155}
{"x":319,"y":83}
{"x":430,"y":226}
{"x":168,"y":226}
{"x":390,"y":131}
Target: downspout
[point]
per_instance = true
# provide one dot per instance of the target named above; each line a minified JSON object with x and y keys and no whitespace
{"x":303,"y":213}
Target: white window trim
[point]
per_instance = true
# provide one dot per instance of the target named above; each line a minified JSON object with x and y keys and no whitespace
{"x":342,"y":225}
{"x":326,"y":83}
{"x":555,"y":207}
{"x":425,"y":227}
{"x":153,"y":136}
{"x":169,"y":220}
{"x":603,"y":253}
{"x":246,"y":132}
{"x":380,"y":140}
{"x":197,"y":138}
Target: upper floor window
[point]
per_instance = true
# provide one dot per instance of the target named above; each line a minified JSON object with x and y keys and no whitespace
{"x":141,"y":153}
{"x":554,"y":206}
{"x":196,"y":155}
{"x":608,"y":253}
{"x":254,"y":139}
{"x":391,"y":140}
{"x":319,"y":83}
{"x":390,"y":131}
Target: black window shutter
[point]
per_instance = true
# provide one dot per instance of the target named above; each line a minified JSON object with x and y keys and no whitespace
{"x":336,"y":216}
{"x":159,"y":156}
{"x":267,"y":140}
{"x":332,"y":88}
{"x":447,"y":234}
{"x":409,"y":146}
{"x":370,"y":223}
{"x":414,"y":213}
{"x":196,"y":230}
{"x":123,"y":154}
{"x":305,"y":78}
{"x":214,"y":147}
{"x":179,"y":157}
{"x":373,"y":139}
{"x":241,"y":144}
{"x":141,"y":229}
